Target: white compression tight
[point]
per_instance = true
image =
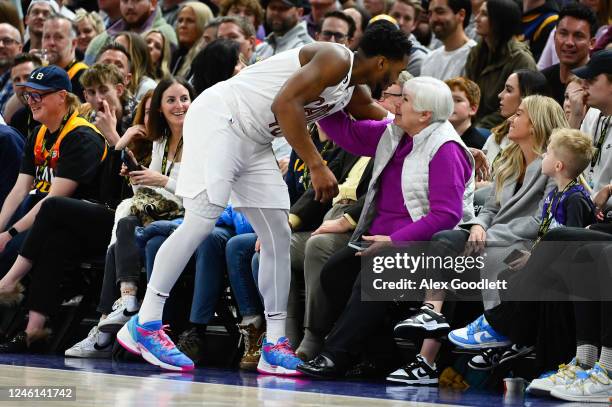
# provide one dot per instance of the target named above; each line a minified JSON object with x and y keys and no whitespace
{"x":271,"y":227}
{"x":175,"y":252}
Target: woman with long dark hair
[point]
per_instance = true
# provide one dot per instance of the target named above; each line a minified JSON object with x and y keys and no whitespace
{"x":220,"y":60}
{"x":496,"y":56}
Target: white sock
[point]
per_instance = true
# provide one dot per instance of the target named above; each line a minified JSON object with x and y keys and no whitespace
{"x":605,"y":359}
{"x":152,"y":306}
{"x":275,"y":326}
{"x":586,"y":354}
{"x":255,"y":320}
{"x":130,"y":302}
{"x":104,"y":338}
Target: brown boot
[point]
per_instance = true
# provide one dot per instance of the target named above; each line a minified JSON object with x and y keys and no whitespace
{"x":253,"y":338}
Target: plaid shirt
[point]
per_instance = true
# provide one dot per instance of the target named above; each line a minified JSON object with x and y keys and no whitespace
{"x":6,"y":89}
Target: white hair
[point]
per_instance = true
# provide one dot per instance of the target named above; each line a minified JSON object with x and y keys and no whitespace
{"x":430,"y":95}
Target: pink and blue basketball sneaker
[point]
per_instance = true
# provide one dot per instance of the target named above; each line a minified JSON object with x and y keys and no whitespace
{"x":151,"y":342}
{"x":278,"y":359}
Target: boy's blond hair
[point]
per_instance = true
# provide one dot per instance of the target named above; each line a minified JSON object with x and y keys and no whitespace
{"x":573,"y":148}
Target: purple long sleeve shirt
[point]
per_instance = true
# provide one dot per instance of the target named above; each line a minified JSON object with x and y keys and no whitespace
{"x":449,"y":170}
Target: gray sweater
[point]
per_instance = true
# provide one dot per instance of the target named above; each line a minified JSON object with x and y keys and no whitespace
{"x":517,"y":216}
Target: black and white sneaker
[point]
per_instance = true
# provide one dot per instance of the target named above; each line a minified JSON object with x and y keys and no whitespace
{"x":116,"y":319}
{"x":426,"y":323}
{"x":488,"y":359}
{"x":516,"y":351}
{"x":417,"y":373}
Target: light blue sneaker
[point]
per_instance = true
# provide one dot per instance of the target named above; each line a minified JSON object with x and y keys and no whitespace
{"x":478,"y":335}
{"x":278,"y":359}
{"x":151,"y":341}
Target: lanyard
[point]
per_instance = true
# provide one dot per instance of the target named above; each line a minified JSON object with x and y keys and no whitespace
{"x":44,"y":140}
{"x":605,"y":124}
{"x":550,"y":211}
{"x":179,"y":148}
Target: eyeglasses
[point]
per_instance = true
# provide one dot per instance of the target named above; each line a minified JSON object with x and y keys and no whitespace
{"x":8,"y":41}
{"x":386,"y":95}
{"x":36,"y":97}
{"x":337,"y":36}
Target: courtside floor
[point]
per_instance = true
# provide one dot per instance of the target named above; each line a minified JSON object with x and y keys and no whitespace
{"x":108,"y":383}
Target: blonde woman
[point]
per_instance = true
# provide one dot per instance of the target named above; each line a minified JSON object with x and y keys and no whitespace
{"x":88,"y":25}
{"x":509,"y":220}
{"x":159,"y":52}
{"x":192,"y":18}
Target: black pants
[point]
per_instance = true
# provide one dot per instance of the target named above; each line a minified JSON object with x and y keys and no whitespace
{"x":123,"y":262}
{"x":64,"y":229}
{"x":555,"y":327}
{"x":594,"y":318}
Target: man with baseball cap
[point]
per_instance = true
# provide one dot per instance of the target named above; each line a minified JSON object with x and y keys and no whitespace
{"x":63,"y":158}
{"x":596,"y":93}
{"x":288,"y":32}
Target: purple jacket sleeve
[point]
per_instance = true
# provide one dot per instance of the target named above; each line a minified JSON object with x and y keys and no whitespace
{"x":359,"y":137}
{"x":449,"y":170}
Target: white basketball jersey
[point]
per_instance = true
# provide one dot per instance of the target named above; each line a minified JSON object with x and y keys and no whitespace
{"x":250,"y":95}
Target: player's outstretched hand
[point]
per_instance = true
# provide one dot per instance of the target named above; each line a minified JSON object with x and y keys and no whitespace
{"x":324,"y":183}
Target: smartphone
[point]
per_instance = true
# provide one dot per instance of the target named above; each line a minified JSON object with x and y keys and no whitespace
{"x":515,"y":255}
{"x":129,"y":161}
{"x":360,"y":245}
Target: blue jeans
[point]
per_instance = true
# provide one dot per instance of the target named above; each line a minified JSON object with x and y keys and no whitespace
{"x":9,"y":255}
{"x":239,"y":252}
{"x":210,"y":268}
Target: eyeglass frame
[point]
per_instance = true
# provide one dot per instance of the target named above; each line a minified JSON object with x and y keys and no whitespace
{"x":8,"y":41}
{"x":386,"y":95}
{"x":39,"y":96}
{"x":338,"y":36}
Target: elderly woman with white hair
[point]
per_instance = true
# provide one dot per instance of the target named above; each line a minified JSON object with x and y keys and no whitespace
{"x":422,"y":183}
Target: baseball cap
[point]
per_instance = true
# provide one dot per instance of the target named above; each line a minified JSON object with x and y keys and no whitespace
{"x":600,"y":62}
{"x":54,"y":6}
{"x":48,"y":78}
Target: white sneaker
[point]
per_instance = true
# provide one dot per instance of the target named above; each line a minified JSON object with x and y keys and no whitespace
{"x":564,"y":376}
{"x":592,"y":386}
{"x":116,"y":319}
{"x":89,"y":348}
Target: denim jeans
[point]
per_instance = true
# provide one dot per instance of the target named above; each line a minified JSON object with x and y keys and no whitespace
{"x":9,"y":255}
{"x":239,"y":252}
{"x":210,"y":267}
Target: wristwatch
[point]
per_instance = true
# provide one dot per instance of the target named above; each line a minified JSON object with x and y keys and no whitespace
{"x":13,"y":232}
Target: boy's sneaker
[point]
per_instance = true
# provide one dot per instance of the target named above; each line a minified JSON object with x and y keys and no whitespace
{"x":515,"y":352}
{"x":562,"y":377}
{"x":478,"y":335}
{"x":89,"y":348}
{"x":592,"y":386}
{"x":278,"y":359}
{"x":425,"y":323}
{"x":151,"y":341}
{"x":191,"y":343}
{"x":253,"y":339}
{"x":488,"y":359}
{"x":116,"y":319}
{"x":418,"y":372}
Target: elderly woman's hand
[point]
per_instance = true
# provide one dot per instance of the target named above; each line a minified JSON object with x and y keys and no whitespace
{"x":476,"y":241}
{"x":378,"y":242}
{"x":482,"y":165}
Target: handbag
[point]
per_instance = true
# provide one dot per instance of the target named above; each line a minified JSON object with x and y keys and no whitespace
{"x":149,"y":205}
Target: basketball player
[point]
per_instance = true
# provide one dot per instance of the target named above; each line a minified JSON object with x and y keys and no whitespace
{"x":227,"y":137}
